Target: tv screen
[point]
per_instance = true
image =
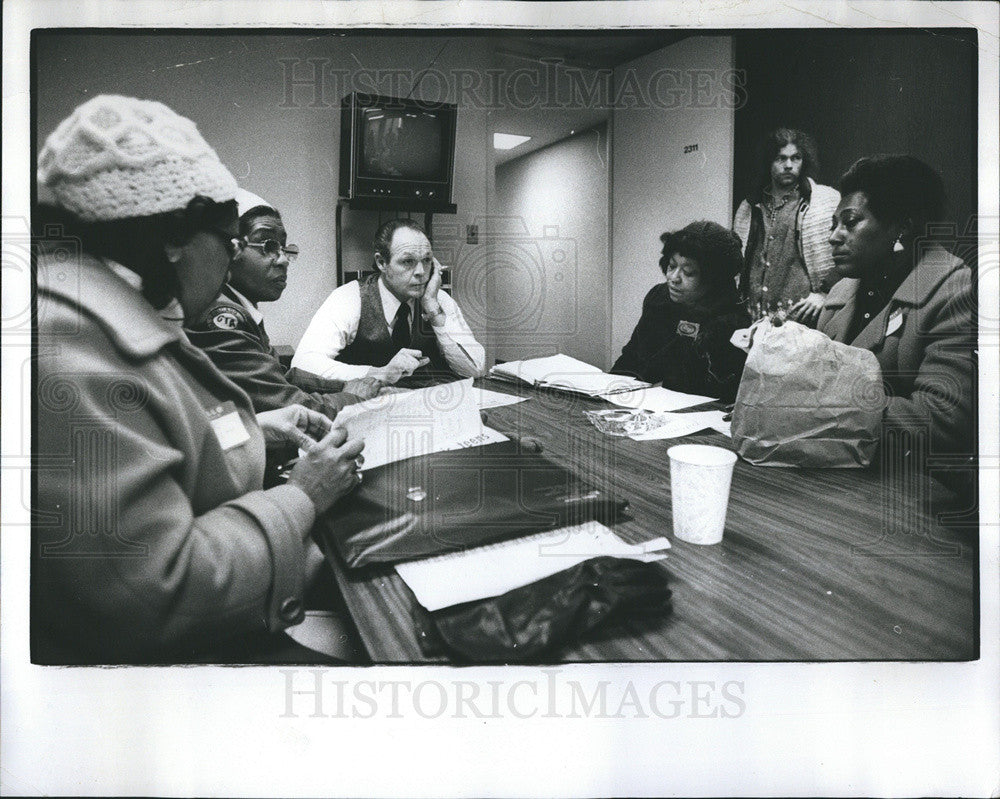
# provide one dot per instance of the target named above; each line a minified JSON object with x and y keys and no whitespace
{"x":403,"y":144}
{"x":397,"y":153}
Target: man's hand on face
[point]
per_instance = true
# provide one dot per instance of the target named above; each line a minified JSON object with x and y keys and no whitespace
{"x":429,"y":299}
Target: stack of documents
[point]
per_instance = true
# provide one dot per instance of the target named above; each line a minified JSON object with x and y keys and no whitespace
{"x":397,"y":426}
{"x":564,"y":373}
{"x":495,"y":569}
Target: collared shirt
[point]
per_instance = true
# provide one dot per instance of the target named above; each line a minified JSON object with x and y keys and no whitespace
{"x":776,"y":270}
{"x":390,"y":305}
{"x":813,"y":230}
{"x":335,"y":326}
{"x":255,"y":314}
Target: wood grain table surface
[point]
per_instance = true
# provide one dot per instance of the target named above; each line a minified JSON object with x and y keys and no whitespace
{"x":836,"y":564}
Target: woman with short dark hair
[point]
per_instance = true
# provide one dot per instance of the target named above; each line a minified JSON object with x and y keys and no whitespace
{"x":908,"y":300}
{"x":682,"y":337}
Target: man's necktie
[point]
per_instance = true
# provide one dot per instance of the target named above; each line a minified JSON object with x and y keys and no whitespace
{"x":401,"y":327}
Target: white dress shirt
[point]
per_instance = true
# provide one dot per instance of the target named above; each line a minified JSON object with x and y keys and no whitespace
{"x":335,"y":326}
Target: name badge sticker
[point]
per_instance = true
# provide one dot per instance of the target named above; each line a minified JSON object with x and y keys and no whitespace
{"x":228,"y":426}
{"x":689,"y":329}
{"x":895,"y":322}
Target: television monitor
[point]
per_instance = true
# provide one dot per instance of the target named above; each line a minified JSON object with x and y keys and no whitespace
{"x":397,"y":152}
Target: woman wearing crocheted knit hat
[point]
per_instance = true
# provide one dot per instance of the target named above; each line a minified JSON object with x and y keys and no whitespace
{"x":155,"y":541}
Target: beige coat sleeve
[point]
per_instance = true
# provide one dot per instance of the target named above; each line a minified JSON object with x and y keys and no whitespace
{"x":126,"y":565}
{"x":935,"y":364}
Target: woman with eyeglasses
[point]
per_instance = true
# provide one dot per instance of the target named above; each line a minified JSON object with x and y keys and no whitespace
{"x":154,"y":541}
{"x":231,"y":332}
{"x":683,"y":335}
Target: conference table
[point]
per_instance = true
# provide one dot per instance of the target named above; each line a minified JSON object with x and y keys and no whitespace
{"x":814,"y":565}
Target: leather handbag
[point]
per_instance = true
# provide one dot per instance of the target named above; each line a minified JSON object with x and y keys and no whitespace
{"x":463,"y":498}
{"x":534,"y":621}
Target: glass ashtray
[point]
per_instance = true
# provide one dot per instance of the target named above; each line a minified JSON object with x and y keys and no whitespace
{"x":623,"y":422}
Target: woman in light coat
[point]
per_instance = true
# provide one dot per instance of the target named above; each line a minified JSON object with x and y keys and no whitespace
{"x":153,"y":540}
{"x":909,"y":301}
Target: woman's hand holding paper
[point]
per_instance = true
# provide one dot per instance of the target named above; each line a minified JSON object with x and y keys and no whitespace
{"x":329,"y":469}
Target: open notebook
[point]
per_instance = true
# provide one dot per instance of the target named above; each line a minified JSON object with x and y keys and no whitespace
{"x":563,"y":373}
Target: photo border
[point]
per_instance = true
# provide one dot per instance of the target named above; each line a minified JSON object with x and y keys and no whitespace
{"x":792,"y":728}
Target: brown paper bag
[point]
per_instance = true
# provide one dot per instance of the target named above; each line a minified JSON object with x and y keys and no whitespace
{"x":806,"y":400}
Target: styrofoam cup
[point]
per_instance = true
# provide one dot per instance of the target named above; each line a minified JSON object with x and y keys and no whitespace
{"x":700,"y":477}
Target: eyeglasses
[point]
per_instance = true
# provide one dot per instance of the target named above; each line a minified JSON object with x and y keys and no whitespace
{"x":274,"y":248}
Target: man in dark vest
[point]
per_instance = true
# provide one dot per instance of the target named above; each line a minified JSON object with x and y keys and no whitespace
{"x":232,"y":331}
{"x":397,"y":323}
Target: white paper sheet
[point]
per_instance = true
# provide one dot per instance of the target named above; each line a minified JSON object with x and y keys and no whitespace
{"x":419,"y":422}
{"x":726,"y":428}
{"x":683,"y":424}
{"x":486,"y":435}
{"x":537,"y":370}
{"x":494,"y":569}
{"x":657,"y":400}
{"x":494,"y":399}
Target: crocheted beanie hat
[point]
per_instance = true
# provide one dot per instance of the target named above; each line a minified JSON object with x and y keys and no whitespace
{"x":118,"y":157}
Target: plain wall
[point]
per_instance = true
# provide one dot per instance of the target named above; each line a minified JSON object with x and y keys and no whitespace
{"x":860,"y":93}
{"x":656,"y":186}
{"x":560,"y":294}
{"x":285,"y":149}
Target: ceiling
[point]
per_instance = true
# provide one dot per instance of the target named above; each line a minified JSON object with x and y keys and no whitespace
{"x":589,"y":54}
{"x":603,"y":50}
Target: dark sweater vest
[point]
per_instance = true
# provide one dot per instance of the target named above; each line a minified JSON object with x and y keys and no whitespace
{"x":372,"y":346}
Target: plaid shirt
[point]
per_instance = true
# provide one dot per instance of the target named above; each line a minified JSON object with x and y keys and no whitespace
{"x":812,"y":232}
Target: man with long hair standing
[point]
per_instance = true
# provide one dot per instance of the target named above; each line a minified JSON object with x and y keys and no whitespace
{"x":784,"y":226}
